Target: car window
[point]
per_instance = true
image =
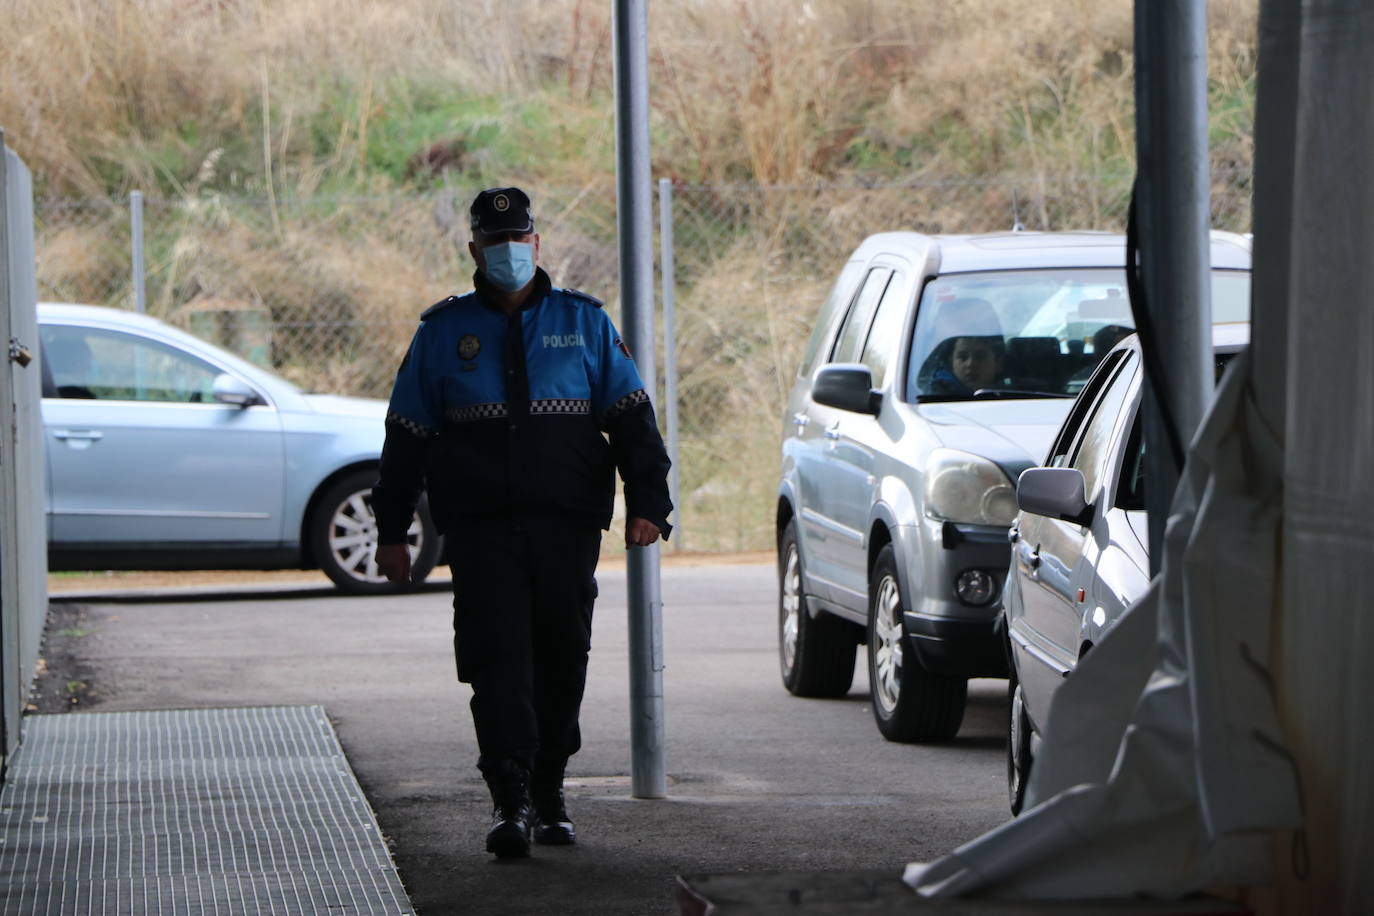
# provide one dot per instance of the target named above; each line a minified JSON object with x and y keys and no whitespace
{"x":1130,"y":488}
{"x":855,"y":328}
{"x":834,"y":306}
{"x":1082,"y":408}
{"x":1094,"y":446}
{"x":881,"y":344}
{"x":109,"y":365}
{"x":1039,"y":332}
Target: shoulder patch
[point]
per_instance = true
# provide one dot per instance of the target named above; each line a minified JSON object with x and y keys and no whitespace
{"x":583,"y":297}
{"x":438,"y":306}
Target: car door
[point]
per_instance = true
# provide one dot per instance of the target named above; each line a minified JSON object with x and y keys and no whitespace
{"x":827,"y":483}
{"x":1055,"y":558}
{"x":140,"y":452}
{"x":1120,"y":572}
{"x":804,"y":444}
{"x":862,"y":439}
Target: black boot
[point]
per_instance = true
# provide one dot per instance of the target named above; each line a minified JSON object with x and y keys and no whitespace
{"x":552,"y":826}
{"x":509,"y":836}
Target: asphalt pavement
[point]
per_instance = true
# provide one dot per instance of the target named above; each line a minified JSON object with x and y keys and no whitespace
{"x":757,"y":780}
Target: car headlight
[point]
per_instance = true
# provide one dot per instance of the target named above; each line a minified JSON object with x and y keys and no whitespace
{"x":965,"y":488}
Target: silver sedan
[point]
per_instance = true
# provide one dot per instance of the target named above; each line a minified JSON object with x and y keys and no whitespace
{"x":167,"y":452}
{"x":1079,"y":555}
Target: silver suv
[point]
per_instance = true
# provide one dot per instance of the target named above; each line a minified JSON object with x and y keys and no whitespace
{"x":939,"y":369}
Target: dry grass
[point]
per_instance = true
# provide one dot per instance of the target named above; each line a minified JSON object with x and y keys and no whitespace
{"x":98,"y":95}
{"x":739,"y":348}
{"x":91,"y":79}
{"x":772,"y":92}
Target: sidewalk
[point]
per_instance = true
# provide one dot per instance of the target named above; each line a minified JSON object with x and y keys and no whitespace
{"x":249,"y":810}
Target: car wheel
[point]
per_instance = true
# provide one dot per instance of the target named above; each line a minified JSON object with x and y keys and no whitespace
{"x":909,"y":703}
{"x":816,"y":653}
{"x":343,"y":537}
{"x":1018,"y":744}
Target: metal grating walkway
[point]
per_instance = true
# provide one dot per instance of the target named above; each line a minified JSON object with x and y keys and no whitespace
{"x":227,"y":811}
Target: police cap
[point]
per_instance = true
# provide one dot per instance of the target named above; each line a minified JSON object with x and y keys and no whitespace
{"x":497,"y":210}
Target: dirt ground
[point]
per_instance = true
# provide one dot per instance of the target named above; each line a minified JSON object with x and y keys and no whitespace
{"x":62,"y":679}
{"x":70,"y":582}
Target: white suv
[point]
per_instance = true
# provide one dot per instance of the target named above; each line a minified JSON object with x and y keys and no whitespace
{"x":939,"y":369}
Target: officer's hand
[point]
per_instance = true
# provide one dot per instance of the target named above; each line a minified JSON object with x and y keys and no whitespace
{"x":393,"y":561}
{"x":640,"y":532}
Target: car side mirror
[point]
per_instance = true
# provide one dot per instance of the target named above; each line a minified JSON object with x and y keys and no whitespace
{"x":1055,"y":493}
{"x":229,"y":389}
{"x":848,"y":386}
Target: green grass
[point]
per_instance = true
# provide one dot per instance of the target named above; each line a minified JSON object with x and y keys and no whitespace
{"x":1231,"y":112}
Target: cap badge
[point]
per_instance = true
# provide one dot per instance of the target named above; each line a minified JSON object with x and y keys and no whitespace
{"x":501,"y":203}
{"x":468,"y":346}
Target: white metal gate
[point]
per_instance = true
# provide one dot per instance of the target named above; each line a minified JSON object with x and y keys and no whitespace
{"x":23,"y":533}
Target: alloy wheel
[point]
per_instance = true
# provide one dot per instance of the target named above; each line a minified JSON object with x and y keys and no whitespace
{"x":887,"y":653}
{"x":1018,"y":749}
{"x":353,"y":538}
{"x":791,"y":607}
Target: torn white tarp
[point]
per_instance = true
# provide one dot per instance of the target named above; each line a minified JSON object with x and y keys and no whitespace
{"x":1163,"y":770}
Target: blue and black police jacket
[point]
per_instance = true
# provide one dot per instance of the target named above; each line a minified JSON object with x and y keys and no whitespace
{"x":526,"y":414}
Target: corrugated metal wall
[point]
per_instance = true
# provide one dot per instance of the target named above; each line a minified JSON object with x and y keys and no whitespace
{"x":23,"y":531}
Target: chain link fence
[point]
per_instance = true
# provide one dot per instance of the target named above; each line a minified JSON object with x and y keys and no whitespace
{"x":326,"y":291}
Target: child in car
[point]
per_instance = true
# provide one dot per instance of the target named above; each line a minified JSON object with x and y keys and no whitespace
{"x":977,"y":361}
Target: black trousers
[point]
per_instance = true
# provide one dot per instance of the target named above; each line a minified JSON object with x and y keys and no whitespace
{"x":523,"y":592}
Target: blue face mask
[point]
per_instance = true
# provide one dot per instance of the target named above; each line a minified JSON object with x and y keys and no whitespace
{"x":510,"y":265}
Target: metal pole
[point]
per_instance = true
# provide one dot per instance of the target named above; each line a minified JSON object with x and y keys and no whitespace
{"x":136,"y":231}
{"x":1276,"y":168}
{"x":665,"y":241}
{"x":1174,"y":216}
{"x":634,"y":189}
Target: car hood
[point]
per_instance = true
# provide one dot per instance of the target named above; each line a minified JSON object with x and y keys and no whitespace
{"x":1015,"y":434}
{"x":339,"y":406}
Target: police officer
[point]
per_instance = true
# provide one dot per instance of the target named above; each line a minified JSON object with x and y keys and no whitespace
{"x":514,"y":407}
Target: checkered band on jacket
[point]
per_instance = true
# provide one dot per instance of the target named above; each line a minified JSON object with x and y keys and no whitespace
{"x":566,"y":406}
{"x":410,"y":426}
{"x":633,"y":399}
{"x":476,"y":412}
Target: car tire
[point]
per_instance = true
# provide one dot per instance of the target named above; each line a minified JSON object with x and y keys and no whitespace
{"x":816,"y":653}
{"x":1019,"y":758}
{"x":343,"y":538}
{"x":909,"y":703}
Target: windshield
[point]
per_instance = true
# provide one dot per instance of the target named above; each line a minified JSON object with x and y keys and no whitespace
{"x":1031,"y":333}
